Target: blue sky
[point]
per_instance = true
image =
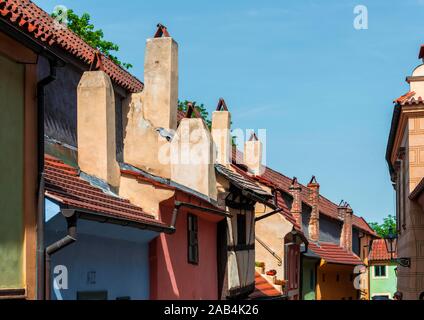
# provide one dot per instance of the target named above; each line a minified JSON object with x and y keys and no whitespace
{"x":322,"y":89}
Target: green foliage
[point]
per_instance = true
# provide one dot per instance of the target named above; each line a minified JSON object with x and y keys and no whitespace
{"x":382,"y":229}
{"x":82,"y":26}
{"x":182,"y":106}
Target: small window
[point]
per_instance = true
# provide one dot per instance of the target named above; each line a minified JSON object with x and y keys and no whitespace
{"x":241,"y":229}
{"x":193,"y":243}
{"x":380,"y":271}
{"x":337,"y":278}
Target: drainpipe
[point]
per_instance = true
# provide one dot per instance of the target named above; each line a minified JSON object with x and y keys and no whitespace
{"x":41,"y":85}
{"x":71,"y":237}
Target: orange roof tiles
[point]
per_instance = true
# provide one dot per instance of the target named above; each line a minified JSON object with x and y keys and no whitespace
{"x":409,"y":98}
{"x":64,"y":184}
{"x":283,"y":182}
{"x":333,"y":253}
{"x":32,"y":20}
{"x":379,"y":251}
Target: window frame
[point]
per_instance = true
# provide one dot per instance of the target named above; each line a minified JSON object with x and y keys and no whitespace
{"x":192,"y":233}
{"x":386,"y":275}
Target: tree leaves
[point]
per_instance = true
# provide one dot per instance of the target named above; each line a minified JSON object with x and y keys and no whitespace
{"x":82,"y":26}
{"x":382,"y":229}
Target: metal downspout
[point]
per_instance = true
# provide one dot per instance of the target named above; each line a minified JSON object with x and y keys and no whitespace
{"x":71,"y":237}
{"x":41,"y":85}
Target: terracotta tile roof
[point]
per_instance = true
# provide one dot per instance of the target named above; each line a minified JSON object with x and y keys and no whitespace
{"x":34,"y":21}
{"x":263,"y":288}
{"x":333,"y":253}
{"x":241,"y":181}
{"x":379,"y":251}
{"x":283,"y":182}
{"x":409,"y":98}
{"x":64,"y":184}
{"x":280,"y":201}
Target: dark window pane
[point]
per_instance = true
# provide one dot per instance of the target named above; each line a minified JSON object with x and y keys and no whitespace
{"x":192,"y":239}
{"x":241,"y":229}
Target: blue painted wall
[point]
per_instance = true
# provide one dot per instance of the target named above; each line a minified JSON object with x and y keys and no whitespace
{"x":119,"y":257}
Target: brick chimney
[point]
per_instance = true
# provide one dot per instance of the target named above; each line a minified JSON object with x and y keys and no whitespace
{"x":296,"y":209}
{"x":313,"y":187}
{"x":96,"y":127}
{"x":192,"y":155}
{"x":150,"y":117}
{"x":221,"y":125}
{"x":253,"y":155}
{"x":346,"y":235}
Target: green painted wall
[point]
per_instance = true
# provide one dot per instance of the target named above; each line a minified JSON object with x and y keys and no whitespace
{"x":309,"y":279}
{"x":11,"y":176}
{"x":383,"y":285}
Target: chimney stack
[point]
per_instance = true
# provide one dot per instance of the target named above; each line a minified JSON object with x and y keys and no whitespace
{"x":151,"y":116}
{"x":296,"y":209}
{"x":96,"y":127}
{"x":314,"y":201}
{"x":221,"y":126}
{"x":346,"y":235}
{"x":161,"y":80}
{"x":192,"y":155}
{"x":253,"y":155}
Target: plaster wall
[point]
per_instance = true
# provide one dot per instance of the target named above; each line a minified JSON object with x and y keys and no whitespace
{"x":105,"y":257}
{"x":335,"y":282}
{"x":142,"y":194}
{"x":173,"y":277}
{"x":12,"y":77}
{"x":411,"y":236}
{"x":386,"y":285}
{"x":193,"y":157}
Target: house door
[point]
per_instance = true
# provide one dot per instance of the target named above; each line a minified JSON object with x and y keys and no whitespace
{"x":293,"y":270}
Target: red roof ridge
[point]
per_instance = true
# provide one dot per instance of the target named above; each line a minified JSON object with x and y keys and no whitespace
{"x":33,"y":20}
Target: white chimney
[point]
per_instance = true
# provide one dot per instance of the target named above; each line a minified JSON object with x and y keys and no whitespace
{"x":192,"y":156}
{"x":253,"y":155}
{"x":221,"y":127}
{"x":150,"y":117}
{"x":96,"y":127}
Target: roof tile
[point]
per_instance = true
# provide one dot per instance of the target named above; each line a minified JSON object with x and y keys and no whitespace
{"x":333,"y":253}
{"x":43,"y":28}
{"x":64,"y":184}
{"x":379,"y":251}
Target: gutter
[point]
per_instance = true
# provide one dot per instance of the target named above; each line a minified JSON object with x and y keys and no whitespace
{"x":41,"y":85}
{"x":70,"y":238}
{"x":221,"y":213}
